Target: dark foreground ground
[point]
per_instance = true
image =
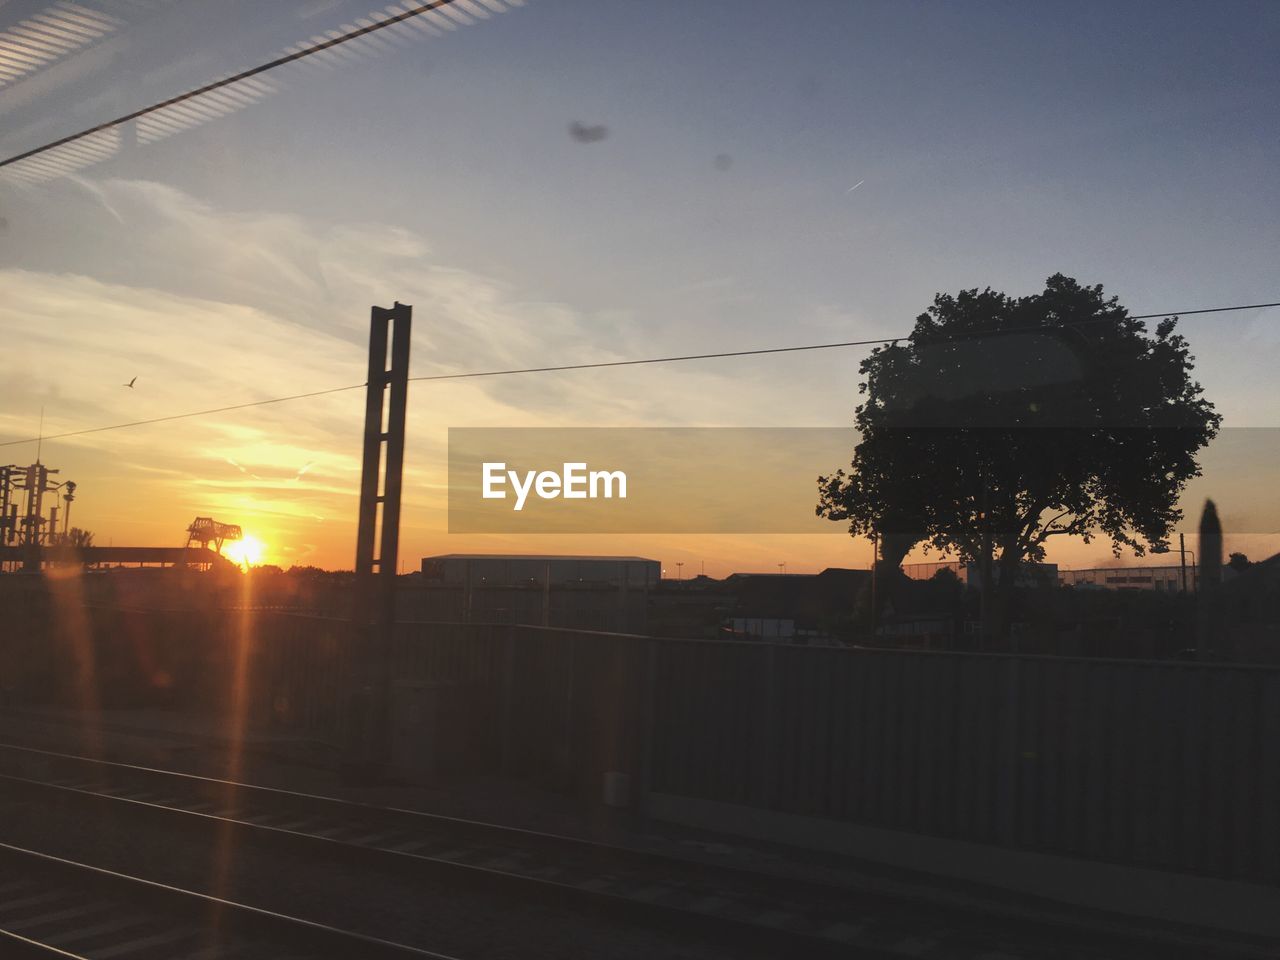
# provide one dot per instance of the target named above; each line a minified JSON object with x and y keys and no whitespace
{"x":464,"y":924}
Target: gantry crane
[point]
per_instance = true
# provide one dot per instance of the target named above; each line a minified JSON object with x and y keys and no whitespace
{"x":206,"y":530}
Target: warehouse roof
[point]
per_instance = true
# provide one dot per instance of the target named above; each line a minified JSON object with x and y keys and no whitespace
{"x":532,"y":556}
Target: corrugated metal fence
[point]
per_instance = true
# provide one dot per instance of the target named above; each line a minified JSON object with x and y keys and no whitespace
{"x":1164,"y":764}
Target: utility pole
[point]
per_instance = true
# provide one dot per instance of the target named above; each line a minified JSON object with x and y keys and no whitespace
{"x":1182,"y":561}
{"x":381,"y":480}
{"x":875,"y":564}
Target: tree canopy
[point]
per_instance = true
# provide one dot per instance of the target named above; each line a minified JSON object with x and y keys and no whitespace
{"x":1002,"y":421}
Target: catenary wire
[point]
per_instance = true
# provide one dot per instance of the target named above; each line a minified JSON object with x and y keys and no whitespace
{"x":809,"y":346}
{"x":616,"y":363}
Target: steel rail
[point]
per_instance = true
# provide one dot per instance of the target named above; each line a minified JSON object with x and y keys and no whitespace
{"x":166,"y":912}
{"x":671,"y":892}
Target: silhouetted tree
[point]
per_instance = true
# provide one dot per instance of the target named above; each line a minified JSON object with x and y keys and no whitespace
{"x":1003,"y":421}
{"x":1238,"y":562}
{"x":79,"y":538}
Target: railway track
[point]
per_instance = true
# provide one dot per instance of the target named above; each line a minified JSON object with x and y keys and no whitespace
{"x":661,"y":891}
{"x":727,"y":903}
{"x":51,"y":907}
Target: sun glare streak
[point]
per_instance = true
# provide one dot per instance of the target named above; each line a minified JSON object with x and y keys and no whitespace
{"x":74,"y":635}
{"x":246,"y":552}
{"x":235,"y":720}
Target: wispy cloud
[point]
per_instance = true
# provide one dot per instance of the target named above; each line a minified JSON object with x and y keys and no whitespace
{"x":211,"y":307}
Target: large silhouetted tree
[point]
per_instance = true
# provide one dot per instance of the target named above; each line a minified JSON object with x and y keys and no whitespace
{"x":1003,"y":421}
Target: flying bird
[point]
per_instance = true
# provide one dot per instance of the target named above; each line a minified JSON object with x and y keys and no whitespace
{"x":131,"y":383}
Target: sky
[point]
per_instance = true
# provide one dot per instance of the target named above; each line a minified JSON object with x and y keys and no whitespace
{"x":769,"y":174}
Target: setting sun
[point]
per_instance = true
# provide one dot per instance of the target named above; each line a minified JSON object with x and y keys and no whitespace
{"x":247,"y":552}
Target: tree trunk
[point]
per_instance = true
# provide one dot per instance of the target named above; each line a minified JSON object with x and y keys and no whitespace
{"x":1006,"y":587}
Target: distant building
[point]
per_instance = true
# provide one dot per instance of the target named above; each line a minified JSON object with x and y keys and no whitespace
{"x":970,"y":574}
{"x":791,"y":607}
{"x":1163,"y":579}
{"x":1251,"y":612}
{"x":919,"y":631}
{"x":578,"y":592}
{"x":514,"y":569}
{"x":760,"y":628}
{"x":779,"y":607}
{"x":927,"y":571}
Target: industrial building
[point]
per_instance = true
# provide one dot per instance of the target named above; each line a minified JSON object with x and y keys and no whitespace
{"x":24,"y":528}
{"x":1029,"y":574}
{"x":579,"y":592}
{"x":511,"y":570}
{"x":28,"y":540}
{"x":1163,"y":579}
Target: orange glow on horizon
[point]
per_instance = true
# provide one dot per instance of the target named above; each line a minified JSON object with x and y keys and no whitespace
{"x":247,"y":551}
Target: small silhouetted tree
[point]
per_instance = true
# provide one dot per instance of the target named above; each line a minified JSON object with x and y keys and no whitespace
{"x":79,"y":538}
{"x":1238,"y":562}
{"x":1001,"y":422}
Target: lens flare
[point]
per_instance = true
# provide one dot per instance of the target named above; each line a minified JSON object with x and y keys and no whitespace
{"x":247,"y":551}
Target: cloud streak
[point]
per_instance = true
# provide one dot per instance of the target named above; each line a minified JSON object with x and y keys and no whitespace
{"x":210,"y":308}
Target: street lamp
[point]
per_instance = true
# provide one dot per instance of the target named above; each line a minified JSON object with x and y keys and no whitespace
{"x":1182,"y":562}
{"x":1182,"y":547}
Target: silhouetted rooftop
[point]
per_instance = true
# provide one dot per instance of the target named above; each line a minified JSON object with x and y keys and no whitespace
{"x":532,"y":556}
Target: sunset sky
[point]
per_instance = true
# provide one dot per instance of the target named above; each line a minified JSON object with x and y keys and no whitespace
{"x":771,"y":174}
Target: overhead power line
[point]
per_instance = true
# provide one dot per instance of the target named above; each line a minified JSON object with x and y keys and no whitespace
{"x":809,"y":346}
{"x":350,"y":35}
{"x":187,"y":416}
{"x":619,"y":363}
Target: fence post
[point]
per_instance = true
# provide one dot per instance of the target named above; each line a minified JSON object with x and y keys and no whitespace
{"x":770,"y":764}
{"x":566,"y":757}
{"x":1009,"y":759}
{"x":643,"y":778}
{"x":507,"y":691}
